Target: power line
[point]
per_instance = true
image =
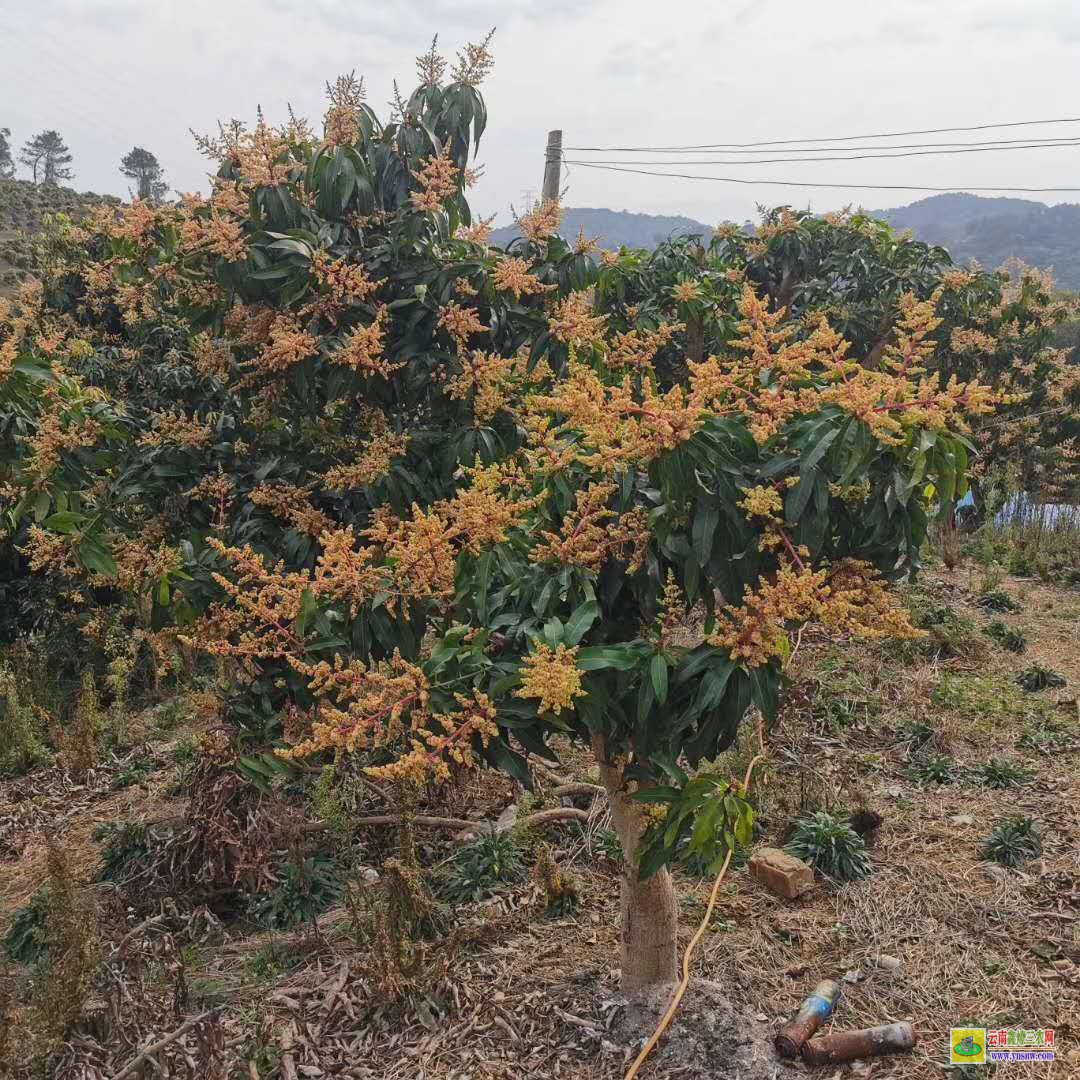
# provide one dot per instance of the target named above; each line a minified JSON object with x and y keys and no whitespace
{"x":848,"y":157}
{"x":813,"y":184}
{"x":720,"y":148}
{"x":842,"y":138}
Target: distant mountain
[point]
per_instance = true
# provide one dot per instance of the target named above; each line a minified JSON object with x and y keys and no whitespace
{"x":994,"y":230}
{"x":615,"y":228}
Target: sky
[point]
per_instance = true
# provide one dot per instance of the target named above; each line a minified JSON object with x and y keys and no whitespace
{"x":110,"y":74}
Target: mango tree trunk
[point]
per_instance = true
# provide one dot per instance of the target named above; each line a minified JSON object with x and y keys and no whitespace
{"x":649,"y":915}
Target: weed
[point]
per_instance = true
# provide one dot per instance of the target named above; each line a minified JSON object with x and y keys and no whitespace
{"x":26,"y":942}
{"x":1012,"y":841}
{"x":71,"y":957}
{"x":79,"y":750}
{"x":998,"y":600}
{"x":829,"y":843}
{"x":1036,"y":677}
{"x":309,"y":886}
{"x":917,"y":732}
{"x":999,"y":773}
{"x":483,"y":865}
{"x":127,"y":851}
{"x":21,"y":747}
{"x":1043,"y":737}
{"x":1008,"y":637}
{"x":133,"y":771}
{"x":271,"y":962}
{"x":605,"y":844}
{"x":561,"y":890}
{"x":932,"y":768}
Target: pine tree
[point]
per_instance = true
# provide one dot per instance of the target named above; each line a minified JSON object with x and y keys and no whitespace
{"x":143,"y":167}
{"x":7,"y":166}
{"x":46,"y":155}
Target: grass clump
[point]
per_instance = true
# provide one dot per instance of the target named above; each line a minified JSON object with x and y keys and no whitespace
{"x":999,"y":773}
{"x":127,"y":852}
{"x":482,"y":866}
{"x":1037,"y":677}
{"x":829,"y":844}
{"x":1008,"y":637}
{"x":560,"y":887}
{"x":1013,"y":841}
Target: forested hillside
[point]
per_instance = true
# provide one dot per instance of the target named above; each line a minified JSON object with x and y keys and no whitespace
{"x":23,"y":209}
{"x":615,"y":228}
{"x":992,"y":231}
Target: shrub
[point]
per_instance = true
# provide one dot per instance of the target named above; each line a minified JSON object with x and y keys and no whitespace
{"x":79,"y":750}
{"x":482,"y":866}
{"x":1008,"y":637}
{"x":999,"y":773}
{"x":829,"y":844}
{"x":1037,"y":677}
{"x":1013,"y":841}
{"x":917,"y":732}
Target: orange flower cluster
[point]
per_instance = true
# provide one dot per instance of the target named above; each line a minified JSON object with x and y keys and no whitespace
{"x":461,"y":323}
{"x":438,"y":180}
{"x":176,"y":429}
{"x":592,"y":533}
{"x":343,"y":283}
{"x":636,"y":349}
{"x":372,"y":464}
{"x":140,"y":562}
{"x":60,"y":430}
{"x":16,"y":321}
{"x":291,"y":504}
{"x":541,"y":222}
{"x":366,"y":707}
{"x":363,"y":348}
{"x":288,"y":344}
{"x":850,"y":597}
{"x":573,"y":323}
{"x":512,"y":275}
{"x":552,"y":677}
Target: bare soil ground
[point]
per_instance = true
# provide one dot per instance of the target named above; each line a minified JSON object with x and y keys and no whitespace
{"x":935,"y":935}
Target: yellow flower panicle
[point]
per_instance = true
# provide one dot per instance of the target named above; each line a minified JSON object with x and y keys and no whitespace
{"x":551,"y":677}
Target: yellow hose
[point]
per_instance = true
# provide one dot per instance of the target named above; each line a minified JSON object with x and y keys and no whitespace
{"x":680,"y":990}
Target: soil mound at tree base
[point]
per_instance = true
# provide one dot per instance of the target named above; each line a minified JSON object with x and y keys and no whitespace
{"x":709,"y":1037}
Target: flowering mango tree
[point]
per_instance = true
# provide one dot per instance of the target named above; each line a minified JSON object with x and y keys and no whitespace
{"x":437,"y":503}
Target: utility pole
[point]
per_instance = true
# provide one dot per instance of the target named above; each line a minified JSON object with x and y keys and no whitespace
{"x":552,"y":167}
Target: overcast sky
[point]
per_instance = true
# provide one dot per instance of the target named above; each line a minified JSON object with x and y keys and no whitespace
{"x":109,"y":74}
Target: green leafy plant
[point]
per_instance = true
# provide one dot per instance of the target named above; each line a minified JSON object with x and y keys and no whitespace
{"x":26,"y":940}
{"x":482,"y":866}
{"x":1045,"y":736}
{"x":1008,"y":637}
{"x":1013,"y":841}
{"x":999,"y":773}
{"x":1037,"y":677}
{"x":998,"y":600}
{"x":829,"y":844}
{"x":127,"y":851}
{"x":916,"y":732}
{"x":932,"y":768}
{"x":308,"y":886}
